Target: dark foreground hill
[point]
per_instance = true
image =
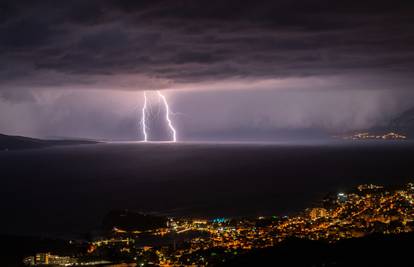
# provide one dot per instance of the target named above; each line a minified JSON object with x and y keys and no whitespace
{"x":9,"y":142}
{"x":374,"y":250}
{"x":15,"y":248}
{"x":132,"y":221}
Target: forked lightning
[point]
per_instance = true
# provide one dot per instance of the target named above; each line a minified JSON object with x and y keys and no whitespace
{"x":167,"y":117}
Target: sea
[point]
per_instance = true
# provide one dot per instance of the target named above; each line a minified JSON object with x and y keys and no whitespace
{"x":67,"y":190}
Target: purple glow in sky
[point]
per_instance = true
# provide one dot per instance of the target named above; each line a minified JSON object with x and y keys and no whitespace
{"x":230,"y":69}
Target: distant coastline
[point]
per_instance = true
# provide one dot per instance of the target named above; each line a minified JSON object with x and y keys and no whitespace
{"x":374,"y":136}
{"x":10,"y":142}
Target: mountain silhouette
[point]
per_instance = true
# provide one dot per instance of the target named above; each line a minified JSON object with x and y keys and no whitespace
{"x":10,"y":142}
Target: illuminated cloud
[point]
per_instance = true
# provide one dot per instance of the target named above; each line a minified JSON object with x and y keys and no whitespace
{"x":69,"y":67}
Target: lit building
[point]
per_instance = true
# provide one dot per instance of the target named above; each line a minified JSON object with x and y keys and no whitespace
{"x":317,"y":213}
{"x":342,"y":197}
{"x":49,"y":259}
{"x":42,"y":258}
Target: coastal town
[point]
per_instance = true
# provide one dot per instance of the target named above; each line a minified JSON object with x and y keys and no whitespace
{"x":373,"y":136}
{"x":360,"y":212}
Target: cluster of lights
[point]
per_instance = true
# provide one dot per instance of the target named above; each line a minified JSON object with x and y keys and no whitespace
{"x":366,"y":209}
{"x":386,"y":136}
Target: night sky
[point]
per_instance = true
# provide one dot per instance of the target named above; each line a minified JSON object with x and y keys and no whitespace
{"x":228,"y":68}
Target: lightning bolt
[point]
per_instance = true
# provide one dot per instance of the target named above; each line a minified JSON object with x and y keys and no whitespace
{"x":167,"y":116}
{"x":144,"y":125}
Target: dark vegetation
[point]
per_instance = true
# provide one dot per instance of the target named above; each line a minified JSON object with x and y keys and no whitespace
{"x":374,"y":250}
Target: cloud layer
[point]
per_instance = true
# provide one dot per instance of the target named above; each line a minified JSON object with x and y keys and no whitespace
{"x":81,"y":43}
{"x":69,"y":68}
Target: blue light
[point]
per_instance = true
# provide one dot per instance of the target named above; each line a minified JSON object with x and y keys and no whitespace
{"x":219,"y":220}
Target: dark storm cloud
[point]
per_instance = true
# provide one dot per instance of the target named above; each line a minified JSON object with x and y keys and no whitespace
{"x":344,"y":65}
{"x":193,"y":41}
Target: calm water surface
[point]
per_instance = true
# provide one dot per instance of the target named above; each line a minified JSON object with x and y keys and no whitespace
{"x":69,"y":189}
